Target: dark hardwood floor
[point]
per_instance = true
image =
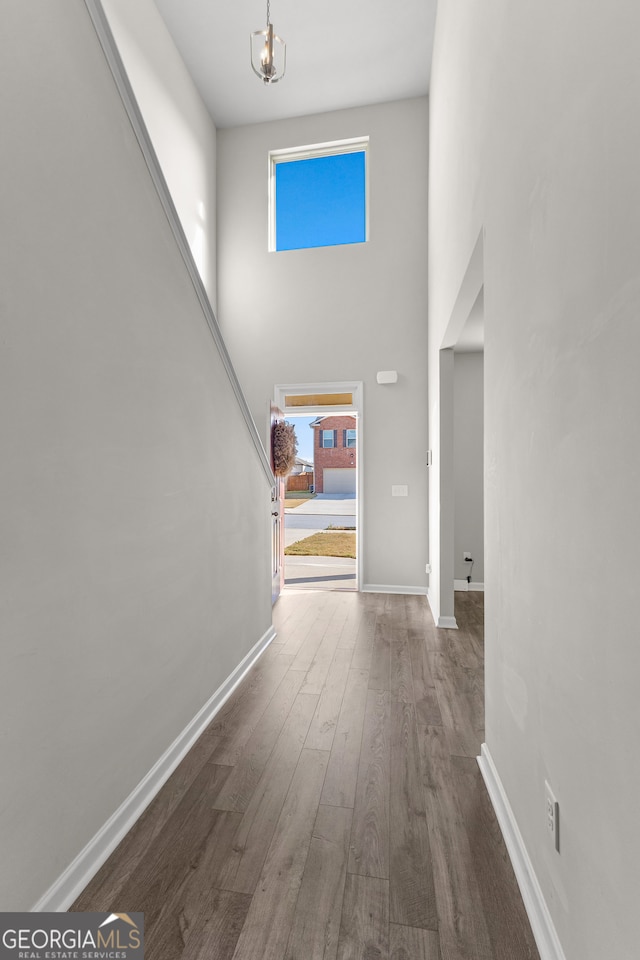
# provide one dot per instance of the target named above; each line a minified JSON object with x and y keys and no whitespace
{"x":334,"y":809}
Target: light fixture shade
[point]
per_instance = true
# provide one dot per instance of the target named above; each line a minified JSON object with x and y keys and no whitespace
{"x":268,"y":55}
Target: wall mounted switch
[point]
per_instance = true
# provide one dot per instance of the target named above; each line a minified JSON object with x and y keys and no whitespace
{"x":552,"y":814}
{"x":399,"y":490}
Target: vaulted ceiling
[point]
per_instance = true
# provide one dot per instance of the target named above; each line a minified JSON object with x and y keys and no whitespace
{"x":340,"y":53}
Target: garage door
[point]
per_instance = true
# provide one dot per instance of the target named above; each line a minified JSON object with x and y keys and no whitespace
{"x":339,"y":480}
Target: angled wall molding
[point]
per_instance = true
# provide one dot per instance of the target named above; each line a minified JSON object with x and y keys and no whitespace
{"x":539,"y":917}
{"x":70,"y":884}
{"x":470,"y":288}
{"x":114,"y":60}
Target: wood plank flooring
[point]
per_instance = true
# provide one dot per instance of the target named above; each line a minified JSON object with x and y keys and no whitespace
{"x":333,"y":810}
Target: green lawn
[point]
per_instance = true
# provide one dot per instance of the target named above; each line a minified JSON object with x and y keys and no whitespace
{"x":331,"y":544}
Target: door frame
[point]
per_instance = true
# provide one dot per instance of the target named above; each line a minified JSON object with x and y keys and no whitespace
{"x":277,"y":515}
{"x":441,"y":592}
{"x":355,"y":388}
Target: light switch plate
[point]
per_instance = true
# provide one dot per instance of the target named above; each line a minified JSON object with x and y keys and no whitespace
{"x":399,"y":490}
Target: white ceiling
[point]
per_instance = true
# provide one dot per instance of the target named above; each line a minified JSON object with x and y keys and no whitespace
{"x":340,"y":53}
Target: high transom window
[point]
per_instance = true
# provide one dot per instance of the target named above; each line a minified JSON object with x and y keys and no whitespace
{"x":318,"y":195}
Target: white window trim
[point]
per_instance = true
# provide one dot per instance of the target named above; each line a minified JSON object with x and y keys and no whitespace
{"x":308,"y":152}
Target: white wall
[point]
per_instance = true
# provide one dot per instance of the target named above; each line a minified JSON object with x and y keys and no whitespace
{"x":121,"y":545}
{"x":534,"y":140}
{"x":180,"y":127}
{"x":468,"y":458}
{"x":341,"y":313}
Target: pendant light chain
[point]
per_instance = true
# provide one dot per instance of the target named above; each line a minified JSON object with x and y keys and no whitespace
{"x":268,"y":52}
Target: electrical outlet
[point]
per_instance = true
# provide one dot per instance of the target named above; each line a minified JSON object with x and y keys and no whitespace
{"x":552,"y":813}
{"x":428,"y":568}
{"x":466,"y":556}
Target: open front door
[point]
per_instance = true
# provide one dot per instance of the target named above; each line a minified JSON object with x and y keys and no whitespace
{"x":277,"y":518}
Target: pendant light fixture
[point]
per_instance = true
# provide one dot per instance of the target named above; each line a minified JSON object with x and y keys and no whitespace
{"x":268,"y":53}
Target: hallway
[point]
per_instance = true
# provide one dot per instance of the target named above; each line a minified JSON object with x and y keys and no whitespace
{"x":334,"y":808}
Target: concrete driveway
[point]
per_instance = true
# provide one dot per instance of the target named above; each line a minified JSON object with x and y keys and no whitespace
{"x":327,"y":509}
{"x":335,"y":504}
{"x":318,"y":521}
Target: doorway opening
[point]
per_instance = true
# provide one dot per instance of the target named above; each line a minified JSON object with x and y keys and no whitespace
{"x":321,"y":496}
{"x":457,"y":483}
{"x":468,"y":455}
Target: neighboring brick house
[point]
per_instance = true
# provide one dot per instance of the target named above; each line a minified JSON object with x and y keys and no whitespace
{"x":334,"y":454}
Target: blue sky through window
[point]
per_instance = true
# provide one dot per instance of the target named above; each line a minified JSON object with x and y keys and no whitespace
{"x":304,"y":435}
{"x":321,"y":201}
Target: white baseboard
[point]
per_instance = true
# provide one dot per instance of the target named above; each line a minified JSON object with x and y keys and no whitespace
{"x":393,"y":588}
{"x":466,"y":586}
{"x":444,"y":623}
{"x":447,"y":623}
{"x":539,"y":917}
{"x":430,"y":601}
{"x":72,"y":882}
